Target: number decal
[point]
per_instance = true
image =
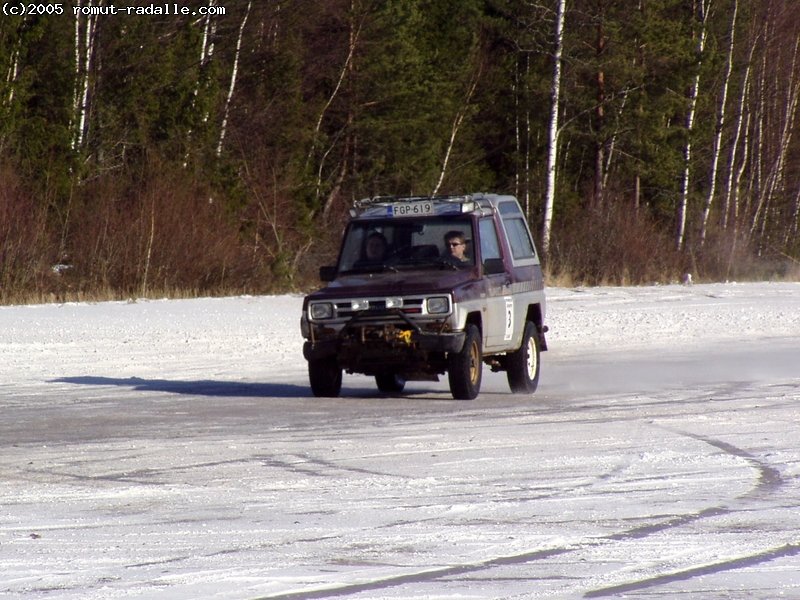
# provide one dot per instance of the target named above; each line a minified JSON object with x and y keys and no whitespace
{"x":509,"y":318}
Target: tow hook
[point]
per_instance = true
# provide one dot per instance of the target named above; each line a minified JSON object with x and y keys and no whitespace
{"x":404,"y":335}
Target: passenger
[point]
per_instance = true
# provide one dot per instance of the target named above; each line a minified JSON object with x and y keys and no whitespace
{"x":375,"y":247}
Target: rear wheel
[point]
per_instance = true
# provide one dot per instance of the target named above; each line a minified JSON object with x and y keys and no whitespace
{"x":522,"y":366}
{"x":390,"y":383}
{"x":325,"y":377}
{"x":464,"y":370}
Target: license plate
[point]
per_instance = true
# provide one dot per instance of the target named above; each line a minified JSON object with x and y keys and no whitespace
{"x":412,"y":209}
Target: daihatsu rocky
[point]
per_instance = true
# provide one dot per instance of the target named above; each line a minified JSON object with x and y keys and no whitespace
{"x":426,"y":286}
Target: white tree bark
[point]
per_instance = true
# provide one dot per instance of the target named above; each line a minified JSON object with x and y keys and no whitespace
{"x":84,"y":52}
{"x":553,"y":132}
{"x":354,"y":33}
{"x":11,"y":76}
{"x":457,"y":121}
{"x":206,"y":55}
{"x":704,"y":6}
{"x":794,"y":228}
{"x":731,"y":192}
{"x":717,"y":148}
{"x":234,"y":75}
{"x":776,"y":176}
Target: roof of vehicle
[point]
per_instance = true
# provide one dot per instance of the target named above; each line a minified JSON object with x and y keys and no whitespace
{"x":418,"y":206}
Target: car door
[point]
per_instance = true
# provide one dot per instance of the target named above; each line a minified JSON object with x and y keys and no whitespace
{"x":498,"y":317}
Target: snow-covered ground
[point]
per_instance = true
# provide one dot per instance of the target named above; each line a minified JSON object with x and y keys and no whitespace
{"x":171,"y":450}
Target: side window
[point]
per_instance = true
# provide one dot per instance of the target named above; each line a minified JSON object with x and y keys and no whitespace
{"x":518,"y":236}
{"x":520,"y":239}
{"x":490,"y":245}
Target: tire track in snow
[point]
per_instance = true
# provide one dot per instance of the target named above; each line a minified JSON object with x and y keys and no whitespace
{"x":769,"y":480}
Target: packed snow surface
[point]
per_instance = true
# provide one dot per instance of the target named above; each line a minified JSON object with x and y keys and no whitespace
{"x":172,"y":450}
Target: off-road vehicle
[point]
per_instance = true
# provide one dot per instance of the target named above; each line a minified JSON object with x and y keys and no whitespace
{"x":426,"y":286}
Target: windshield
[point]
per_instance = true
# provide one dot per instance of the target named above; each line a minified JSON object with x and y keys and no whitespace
{"x":396,"y":244}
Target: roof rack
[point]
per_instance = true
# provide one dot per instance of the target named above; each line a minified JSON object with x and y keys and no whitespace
{"x":377,"y":206}
{"x":366,"y":202}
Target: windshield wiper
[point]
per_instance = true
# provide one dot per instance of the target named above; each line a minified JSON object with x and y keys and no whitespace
{"x":375,"y":268}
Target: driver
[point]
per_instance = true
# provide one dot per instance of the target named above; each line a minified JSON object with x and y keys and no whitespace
{"x":455,"y":245}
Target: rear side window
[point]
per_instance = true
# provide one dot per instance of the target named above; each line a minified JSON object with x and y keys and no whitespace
{"x":518,"y":236}
{"x":516,"y":230}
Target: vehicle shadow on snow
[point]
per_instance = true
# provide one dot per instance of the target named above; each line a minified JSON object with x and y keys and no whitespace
{"x":225,"y":389}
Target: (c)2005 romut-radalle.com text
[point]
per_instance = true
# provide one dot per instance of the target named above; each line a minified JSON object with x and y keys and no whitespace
{"x":156,"y":8}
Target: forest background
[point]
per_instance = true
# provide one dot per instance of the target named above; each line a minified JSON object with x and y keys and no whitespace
{"x":218,"y":151}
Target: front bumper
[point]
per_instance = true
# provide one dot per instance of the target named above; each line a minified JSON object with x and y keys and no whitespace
{"x":390,"y":342}
{"x":421,"y":342}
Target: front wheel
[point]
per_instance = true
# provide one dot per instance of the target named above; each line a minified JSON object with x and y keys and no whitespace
{"x":464,"y":369}
{"x":522,"y":366}
{"x":325,"y":377}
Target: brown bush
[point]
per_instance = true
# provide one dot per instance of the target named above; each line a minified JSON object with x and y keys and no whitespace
{"x":166,"y":237}
{"x":26,"y":250}
{"x":612,"y":245}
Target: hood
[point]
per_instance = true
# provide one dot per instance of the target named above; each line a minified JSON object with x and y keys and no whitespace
{"x":403,"y":283}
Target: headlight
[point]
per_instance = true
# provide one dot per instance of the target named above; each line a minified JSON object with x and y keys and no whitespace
{"x":393,"y":302}
{"x":322,"y":310}
{"x":438,"y":305}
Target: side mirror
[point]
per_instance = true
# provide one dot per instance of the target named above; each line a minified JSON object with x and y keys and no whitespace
{"x":327,"y":273}
{"x":493,"y":266}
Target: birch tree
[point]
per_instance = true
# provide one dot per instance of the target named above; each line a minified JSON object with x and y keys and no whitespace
{"x":457,"y":122}
{"x":84,"y":55}
{"x":600,"y":109}
{"x":720,"y":126}
{"x":776,"y":176}
{"x":703,"y":7}
{"x":730,"y":213}
{"x":553,"y":131}
{"x":206,"y":56}
{"x":354,"y":33}
{"x":234,"y":75}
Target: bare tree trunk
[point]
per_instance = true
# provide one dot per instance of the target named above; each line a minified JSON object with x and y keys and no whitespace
{"x":11,"y":76}
{"x":737,"y":138}
{"x":354,"y":33}
{"x":552,"y":142}
{"x":755,"y":180}
{"x":234,"y":75}
{"x":206,"y":55}
{"x":149,"y":251}
{"x":613,"y":143}
{"x":776,"y":176}
{"x":522,"y":173}
{"x":717,"y":148}
{"x":347,"y":67}
{"x":737,"y":184}
{"x":84,"y":51}
{"x":599,"y":113}
{"x":11,"y":81}
{"x":794,"y":228}
{"x":694,"y":92}
{"x":457,"y":121}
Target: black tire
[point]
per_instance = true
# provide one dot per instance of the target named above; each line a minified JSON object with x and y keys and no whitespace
{"x":325,"y":377}
{"x":522,"y":366}
{"x":465,"y":368}
{"x":390,"y":383}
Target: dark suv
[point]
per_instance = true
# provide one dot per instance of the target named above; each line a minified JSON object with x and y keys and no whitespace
{"x":426,"y":286}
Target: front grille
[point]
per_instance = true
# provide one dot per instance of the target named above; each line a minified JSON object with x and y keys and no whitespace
{"x":376,"y":306}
